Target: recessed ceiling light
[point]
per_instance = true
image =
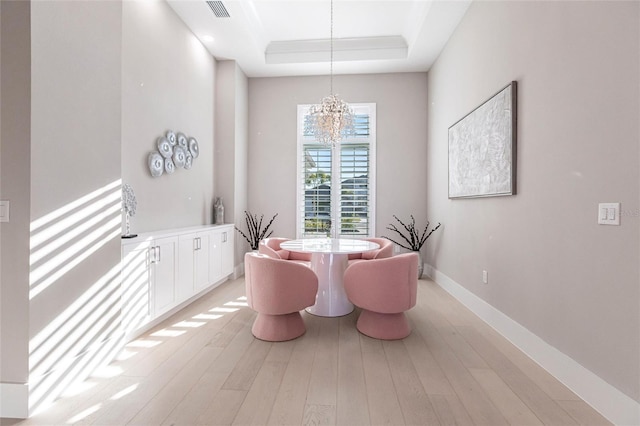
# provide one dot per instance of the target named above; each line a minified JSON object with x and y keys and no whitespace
{"x":207,"y":38}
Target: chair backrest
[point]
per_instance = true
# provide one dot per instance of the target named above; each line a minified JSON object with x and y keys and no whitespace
{"x":385,"y":250}
{"x":271,"y":248}
{"x":386,"y":285}
{"x":277,"y":286}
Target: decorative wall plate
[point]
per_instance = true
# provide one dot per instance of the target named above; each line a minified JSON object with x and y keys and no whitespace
{"x":179,"y":156}
{"x":156,"y":164}
{"x":164,"y":147}
{"x":182,"y":140}
{"x":171,"y":137}
{"x":194,"y":149}
{"x":188,"y":160}
{"x":169,"y":167}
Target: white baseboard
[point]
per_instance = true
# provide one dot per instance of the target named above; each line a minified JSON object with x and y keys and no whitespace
{"x":14,"y":400}
{"x":617,"y":407}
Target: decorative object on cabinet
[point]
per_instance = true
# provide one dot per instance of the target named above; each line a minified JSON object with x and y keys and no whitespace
{"x":129,"y":204}
{"x":255,"y":230}
{"x":174,"y":151}
{"x":413,"y":239}
{"x":482,"y":148}
{"x":218,"y":209}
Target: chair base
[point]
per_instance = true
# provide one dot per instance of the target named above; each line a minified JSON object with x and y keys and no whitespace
{"x":383,"y":326}
{"x":278,"y":328}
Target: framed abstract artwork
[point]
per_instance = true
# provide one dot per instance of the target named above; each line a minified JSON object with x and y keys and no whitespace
{"x":482,"y":148}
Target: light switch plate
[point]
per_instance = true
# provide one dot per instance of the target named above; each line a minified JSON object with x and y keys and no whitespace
{"x":609,"y":214}
{"x":4,"y":211}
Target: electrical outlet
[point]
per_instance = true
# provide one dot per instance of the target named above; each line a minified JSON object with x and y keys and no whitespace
{"x":609,"y":214}
{"x":485,"y":277}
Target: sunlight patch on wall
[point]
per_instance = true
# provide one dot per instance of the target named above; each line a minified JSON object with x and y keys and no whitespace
{"x":65,"y":238}
{"x":81,"y":339}
{"x":87,"y":333}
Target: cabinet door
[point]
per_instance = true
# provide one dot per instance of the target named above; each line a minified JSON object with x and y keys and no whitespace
{"x":136,"y":281}
{"x":215,"y":256}
{"x":186,"y":258}
{"x":201,"y":261}
{"x":164,"y":274}
{"x":227,"y":252}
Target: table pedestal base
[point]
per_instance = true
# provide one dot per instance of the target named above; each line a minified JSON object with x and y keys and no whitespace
{"x":331,"y":300}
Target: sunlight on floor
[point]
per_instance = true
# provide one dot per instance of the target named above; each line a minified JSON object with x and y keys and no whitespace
{"x":136,"y":349}
{"x":124,"y":392}
{"x":84,"y":414}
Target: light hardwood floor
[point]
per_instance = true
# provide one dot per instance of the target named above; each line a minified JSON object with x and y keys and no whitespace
{"x":203,"y":367}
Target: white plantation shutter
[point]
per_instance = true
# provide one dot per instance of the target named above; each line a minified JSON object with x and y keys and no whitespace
{"x":336,"y":186}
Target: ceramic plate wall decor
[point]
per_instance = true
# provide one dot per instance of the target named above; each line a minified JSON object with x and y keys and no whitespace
{"x":179,"y":156}
{"x":171,"y":137}
{"x":182,"y":140}
{"x":188,"y":162}
{"x":156,"y":164}
{"x":169,"y":167}
{"x":193,"y":147}
{"x":164,"y":147}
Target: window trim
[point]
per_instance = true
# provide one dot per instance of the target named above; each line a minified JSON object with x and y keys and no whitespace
{"x":370,"y":109}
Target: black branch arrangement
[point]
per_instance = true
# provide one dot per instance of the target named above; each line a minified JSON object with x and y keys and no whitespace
{"x":414,"y":239}
{"x":255,"y":230}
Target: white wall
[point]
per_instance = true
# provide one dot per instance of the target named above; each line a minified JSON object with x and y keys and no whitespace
{"x":15,"y":104}
{"x":231,"y":149}
{"x":552,"y":268}
{"x":401,"y":108}
{"x":167,"y":84}
{"x":75,"y":192}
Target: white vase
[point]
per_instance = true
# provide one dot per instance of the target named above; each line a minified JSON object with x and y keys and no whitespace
{"x":420,"y":264}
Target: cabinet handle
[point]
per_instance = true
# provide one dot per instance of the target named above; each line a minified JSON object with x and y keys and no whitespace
{"x":158,"y":247}
{"x":224,"y":237}
{"x":195,"y":244}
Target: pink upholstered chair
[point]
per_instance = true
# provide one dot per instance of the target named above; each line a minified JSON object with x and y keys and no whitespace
{"x":385,"y":250}
{"x":384,"y":289}
{"x":277,"y":290}
{"x":271,"y":247}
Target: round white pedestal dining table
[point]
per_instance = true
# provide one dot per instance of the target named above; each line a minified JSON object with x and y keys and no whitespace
{"x":329,"y":260}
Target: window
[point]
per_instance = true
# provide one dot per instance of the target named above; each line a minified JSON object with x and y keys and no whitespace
{"x":336,"y":186}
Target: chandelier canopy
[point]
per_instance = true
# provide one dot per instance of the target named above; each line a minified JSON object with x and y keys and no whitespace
{"x":332,"y":118}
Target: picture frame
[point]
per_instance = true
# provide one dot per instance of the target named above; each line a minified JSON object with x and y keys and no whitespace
{"x":482,"y":148}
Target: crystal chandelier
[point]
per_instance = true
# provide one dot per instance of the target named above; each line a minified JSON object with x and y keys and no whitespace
{"x":333,"y":117}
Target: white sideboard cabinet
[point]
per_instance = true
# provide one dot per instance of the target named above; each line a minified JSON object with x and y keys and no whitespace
{"x":163,"y":270}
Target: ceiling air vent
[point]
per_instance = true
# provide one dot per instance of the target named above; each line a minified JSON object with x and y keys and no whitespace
{"x":218,"y":9}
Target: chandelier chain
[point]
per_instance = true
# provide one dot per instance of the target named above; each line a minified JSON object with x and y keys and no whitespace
{"x":331,"y":49}
{"x":333,"y":117}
